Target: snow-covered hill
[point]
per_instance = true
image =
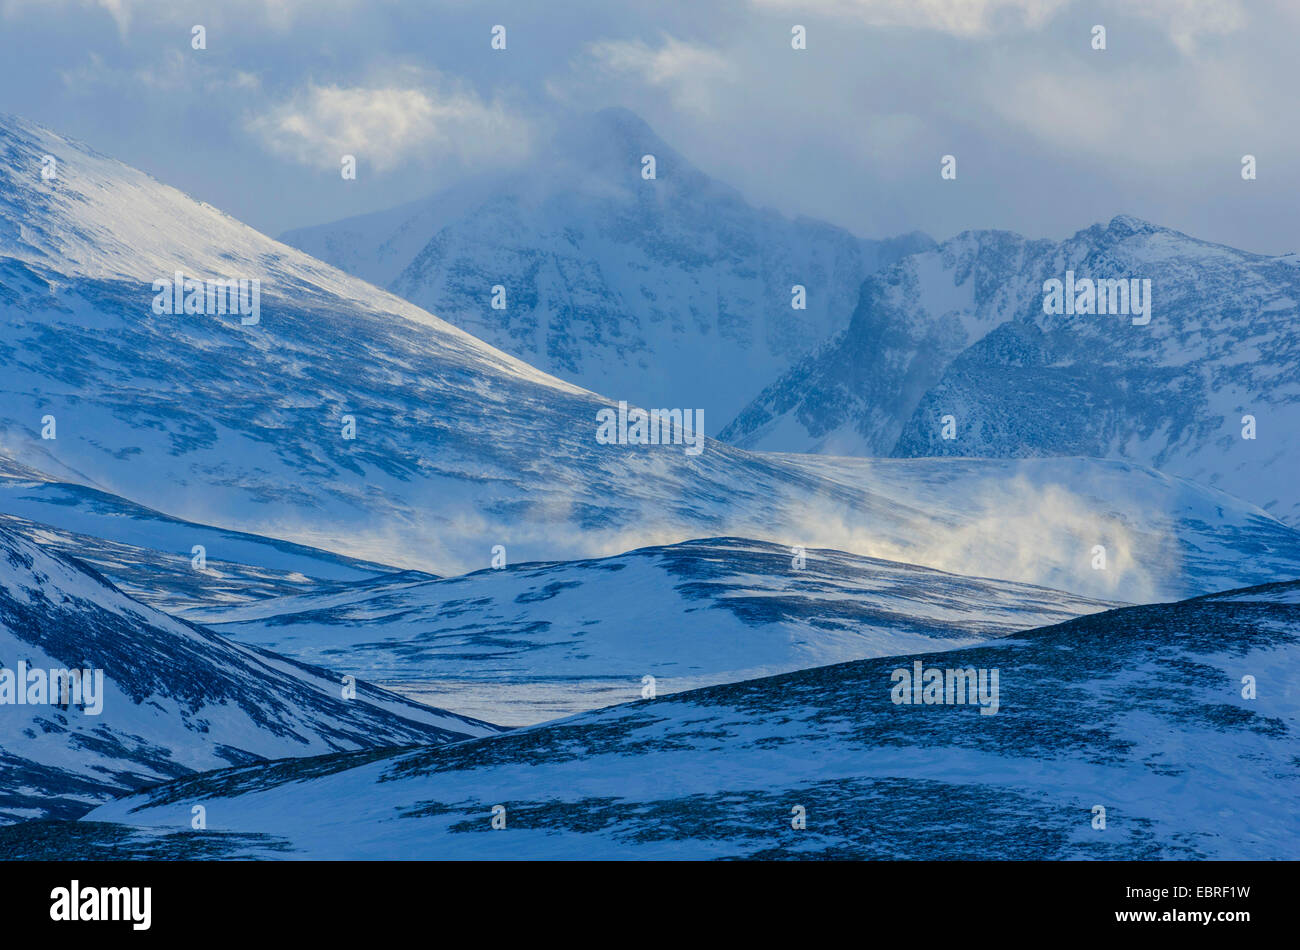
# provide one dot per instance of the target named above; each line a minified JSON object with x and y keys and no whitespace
{"x":537,"y":642}
{"x":961,"y":331}
{"x":1137,"y":716}
{"x":175,"y":698}
{"x":663,"y":292}
{"x":151,"y":557}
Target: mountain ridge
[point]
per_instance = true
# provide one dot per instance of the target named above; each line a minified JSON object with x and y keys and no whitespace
{"x":961,"y":332}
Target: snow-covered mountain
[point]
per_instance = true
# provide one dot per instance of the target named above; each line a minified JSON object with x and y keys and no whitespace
{"x":1138,"y":717}
{"x":175,"y":698}
{"x":665,"y":292}
{"x":961,"y":331}
{"x":460,"y":448}
{"x":341,"y":418}
{"x":537,"y":642}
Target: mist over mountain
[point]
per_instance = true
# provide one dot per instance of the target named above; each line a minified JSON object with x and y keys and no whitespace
{"x":665,"y":292}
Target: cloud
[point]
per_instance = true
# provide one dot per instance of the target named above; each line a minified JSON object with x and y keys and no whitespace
{"x":171,"y":75}
{"x":389,"y":125}
{"x":1192,"y":116}
{"x":957,"y":17}
{"x":1186,"y":22}
{"x":690,"y":73}
{"x":279,"y":15}
{"x":849,"y":130}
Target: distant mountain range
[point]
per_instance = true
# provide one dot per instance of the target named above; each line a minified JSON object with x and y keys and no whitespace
{"x":675,"y":292}
{"x":960,"y":331}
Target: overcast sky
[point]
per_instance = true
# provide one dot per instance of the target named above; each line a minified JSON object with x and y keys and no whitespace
{"x":1050,"y":135}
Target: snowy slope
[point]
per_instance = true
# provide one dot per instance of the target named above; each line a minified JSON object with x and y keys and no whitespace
{"x":460,"y":448}
{"x":1138,"y":710}
{"x":536,"y":642}
{"x":148,"y":555}
{"x":960,"y":330}
{"x":671,"y":292}
{"x":176,"y":698}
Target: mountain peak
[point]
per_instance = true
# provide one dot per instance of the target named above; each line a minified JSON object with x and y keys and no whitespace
{"x":611,"y":143}
{"x":624,"y":124}
{"x":1128,"y":224}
